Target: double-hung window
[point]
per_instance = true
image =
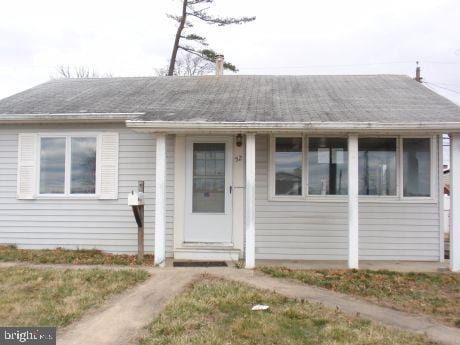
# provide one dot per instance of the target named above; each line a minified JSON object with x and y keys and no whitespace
{"x":67,"y":165}
{"x":391,"y":167}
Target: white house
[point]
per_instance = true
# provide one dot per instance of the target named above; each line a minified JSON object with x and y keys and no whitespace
{"x":252,"y":167}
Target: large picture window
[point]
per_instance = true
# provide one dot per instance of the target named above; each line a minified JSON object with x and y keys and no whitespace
{"x":416,"y":167}
{"x":288,"y":166}
{"x":394,"y":167}
{"x":327,"y":166}
{"x":377,"y":166}
{"x":67,"y":165}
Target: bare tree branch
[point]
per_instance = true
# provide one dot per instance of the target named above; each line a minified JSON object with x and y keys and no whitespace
{"x":191,"y":64}
{"x":80,"y":71}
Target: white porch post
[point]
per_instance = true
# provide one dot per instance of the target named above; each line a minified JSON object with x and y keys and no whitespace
{"x":353,"y":233}
{"x":160,"y":200}
{"x":455,"y":202}
{"x":250,"y":248}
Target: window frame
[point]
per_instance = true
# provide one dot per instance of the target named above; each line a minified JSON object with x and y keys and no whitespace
{"x":68,"y":165}
{"x":272,"y":174}
{"x":398,"y":197}
{"x":433,"y":168}
{"x":315,"y":197}
{"x":398,"y":171}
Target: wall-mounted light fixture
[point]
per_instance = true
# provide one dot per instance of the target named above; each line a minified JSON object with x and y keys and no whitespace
{"x":239,"y":140}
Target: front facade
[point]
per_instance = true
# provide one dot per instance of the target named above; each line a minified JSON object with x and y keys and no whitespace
{"x":225,"y":190}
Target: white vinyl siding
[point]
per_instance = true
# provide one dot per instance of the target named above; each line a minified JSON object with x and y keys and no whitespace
{"x":81,"y":223}
{"x":309,"y":230}
{"x":399,"y":231}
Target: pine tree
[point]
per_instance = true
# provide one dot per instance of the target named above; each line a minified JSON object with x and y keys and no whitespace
{"x":198,"y":10}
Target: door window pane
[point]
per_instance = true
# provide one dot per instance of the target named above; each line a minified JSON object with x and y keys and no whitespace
{"x":208,"y":178}
{"x":416,"y":166}
{"x":377,"y":166}
{"x":52,"y":165}
{"x":288,"y":166}
{"x":327,"y":166}
{"x":83,"y":171}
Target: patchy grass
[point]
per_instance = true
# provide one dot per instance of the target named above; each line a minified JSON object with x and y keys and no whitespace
{"x":434,"y":294}
{"x":36,"y":297}
{"x":215,"y":311}
{"x":67,"y":256}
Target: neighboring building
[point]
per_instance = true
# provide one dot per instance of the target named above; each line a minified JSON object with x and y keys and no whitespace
{"x":253,"y":167}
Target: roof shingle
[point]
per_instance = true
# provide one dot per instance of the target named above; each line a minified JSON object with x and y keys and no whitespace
{"x":381,"y":98}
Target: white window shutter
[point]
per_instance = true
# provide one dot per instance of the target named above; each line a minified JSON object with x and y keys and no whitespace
{"x":27,"y":165}
{"x":108,"y":166}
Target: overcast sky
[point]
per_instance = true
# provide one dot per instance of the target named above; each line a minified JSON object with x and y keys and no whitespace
{"x":133,"y":38}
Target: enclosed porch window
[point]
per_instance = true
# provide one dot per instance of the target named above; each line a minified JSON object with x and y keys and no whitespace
{"x":417,"y":167}
{"x":288,"y":166}
{"x":327,"y":166}
{"x":391,"y":167}
{"x":377,"y":166}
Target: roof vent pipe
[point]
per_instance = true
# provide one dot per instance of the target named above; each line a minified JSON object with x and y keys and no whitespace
{"x":417,"y":74}
{"x":219,"y":64}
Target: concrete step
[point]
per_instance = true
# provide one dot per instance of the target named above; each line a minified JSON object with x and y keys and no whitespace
{"x":207,"y":254}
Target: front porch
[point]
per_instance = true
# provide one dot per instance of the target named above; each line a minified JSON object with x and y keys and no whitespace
{"x":388,"y":231}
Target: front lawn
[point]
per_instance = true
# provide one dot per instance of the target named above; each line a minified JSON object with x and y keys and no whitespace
{"x":36,"y":297}
{"x":434,"y":294}
{"x":67,"y":256}
{"x":215,"y":311}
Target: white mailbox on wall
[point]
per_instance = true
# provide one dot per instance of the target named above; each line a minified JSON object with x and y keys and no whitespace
{"x":135,"y":198}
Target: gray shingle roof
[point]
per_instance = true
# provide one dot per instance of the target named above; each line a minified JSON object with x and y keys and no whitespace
{"x":378,"y":98}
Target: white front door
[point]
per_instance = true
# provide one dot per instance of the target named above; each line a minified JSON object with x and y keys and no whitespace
{"x":208,"y":210}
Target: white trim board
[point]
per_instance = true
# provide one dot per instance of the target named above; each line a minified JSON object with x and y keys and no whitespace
{"x":268,"y":127}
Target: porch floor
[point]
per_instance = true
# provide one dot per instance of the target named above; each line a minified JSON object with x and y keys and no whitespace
{"x":398,"y":266}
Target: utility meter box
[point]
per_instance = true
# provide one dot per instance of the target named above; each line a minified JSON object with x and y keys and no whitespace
{"x":135,"y":198}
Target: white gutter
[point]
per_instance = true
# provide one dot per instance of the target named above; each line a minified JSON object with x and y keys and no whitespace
{"x":165,"y":126}
{"x":66,"y":117}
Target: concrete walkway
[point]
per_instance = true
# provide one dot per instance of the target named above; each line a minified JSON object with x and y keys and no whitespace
{"x":121,"y":320}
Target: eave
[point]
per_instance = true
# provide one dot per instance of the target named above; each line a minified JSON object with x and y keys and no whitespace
{"x":66,"y":117}
{"x":269,"y":127}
